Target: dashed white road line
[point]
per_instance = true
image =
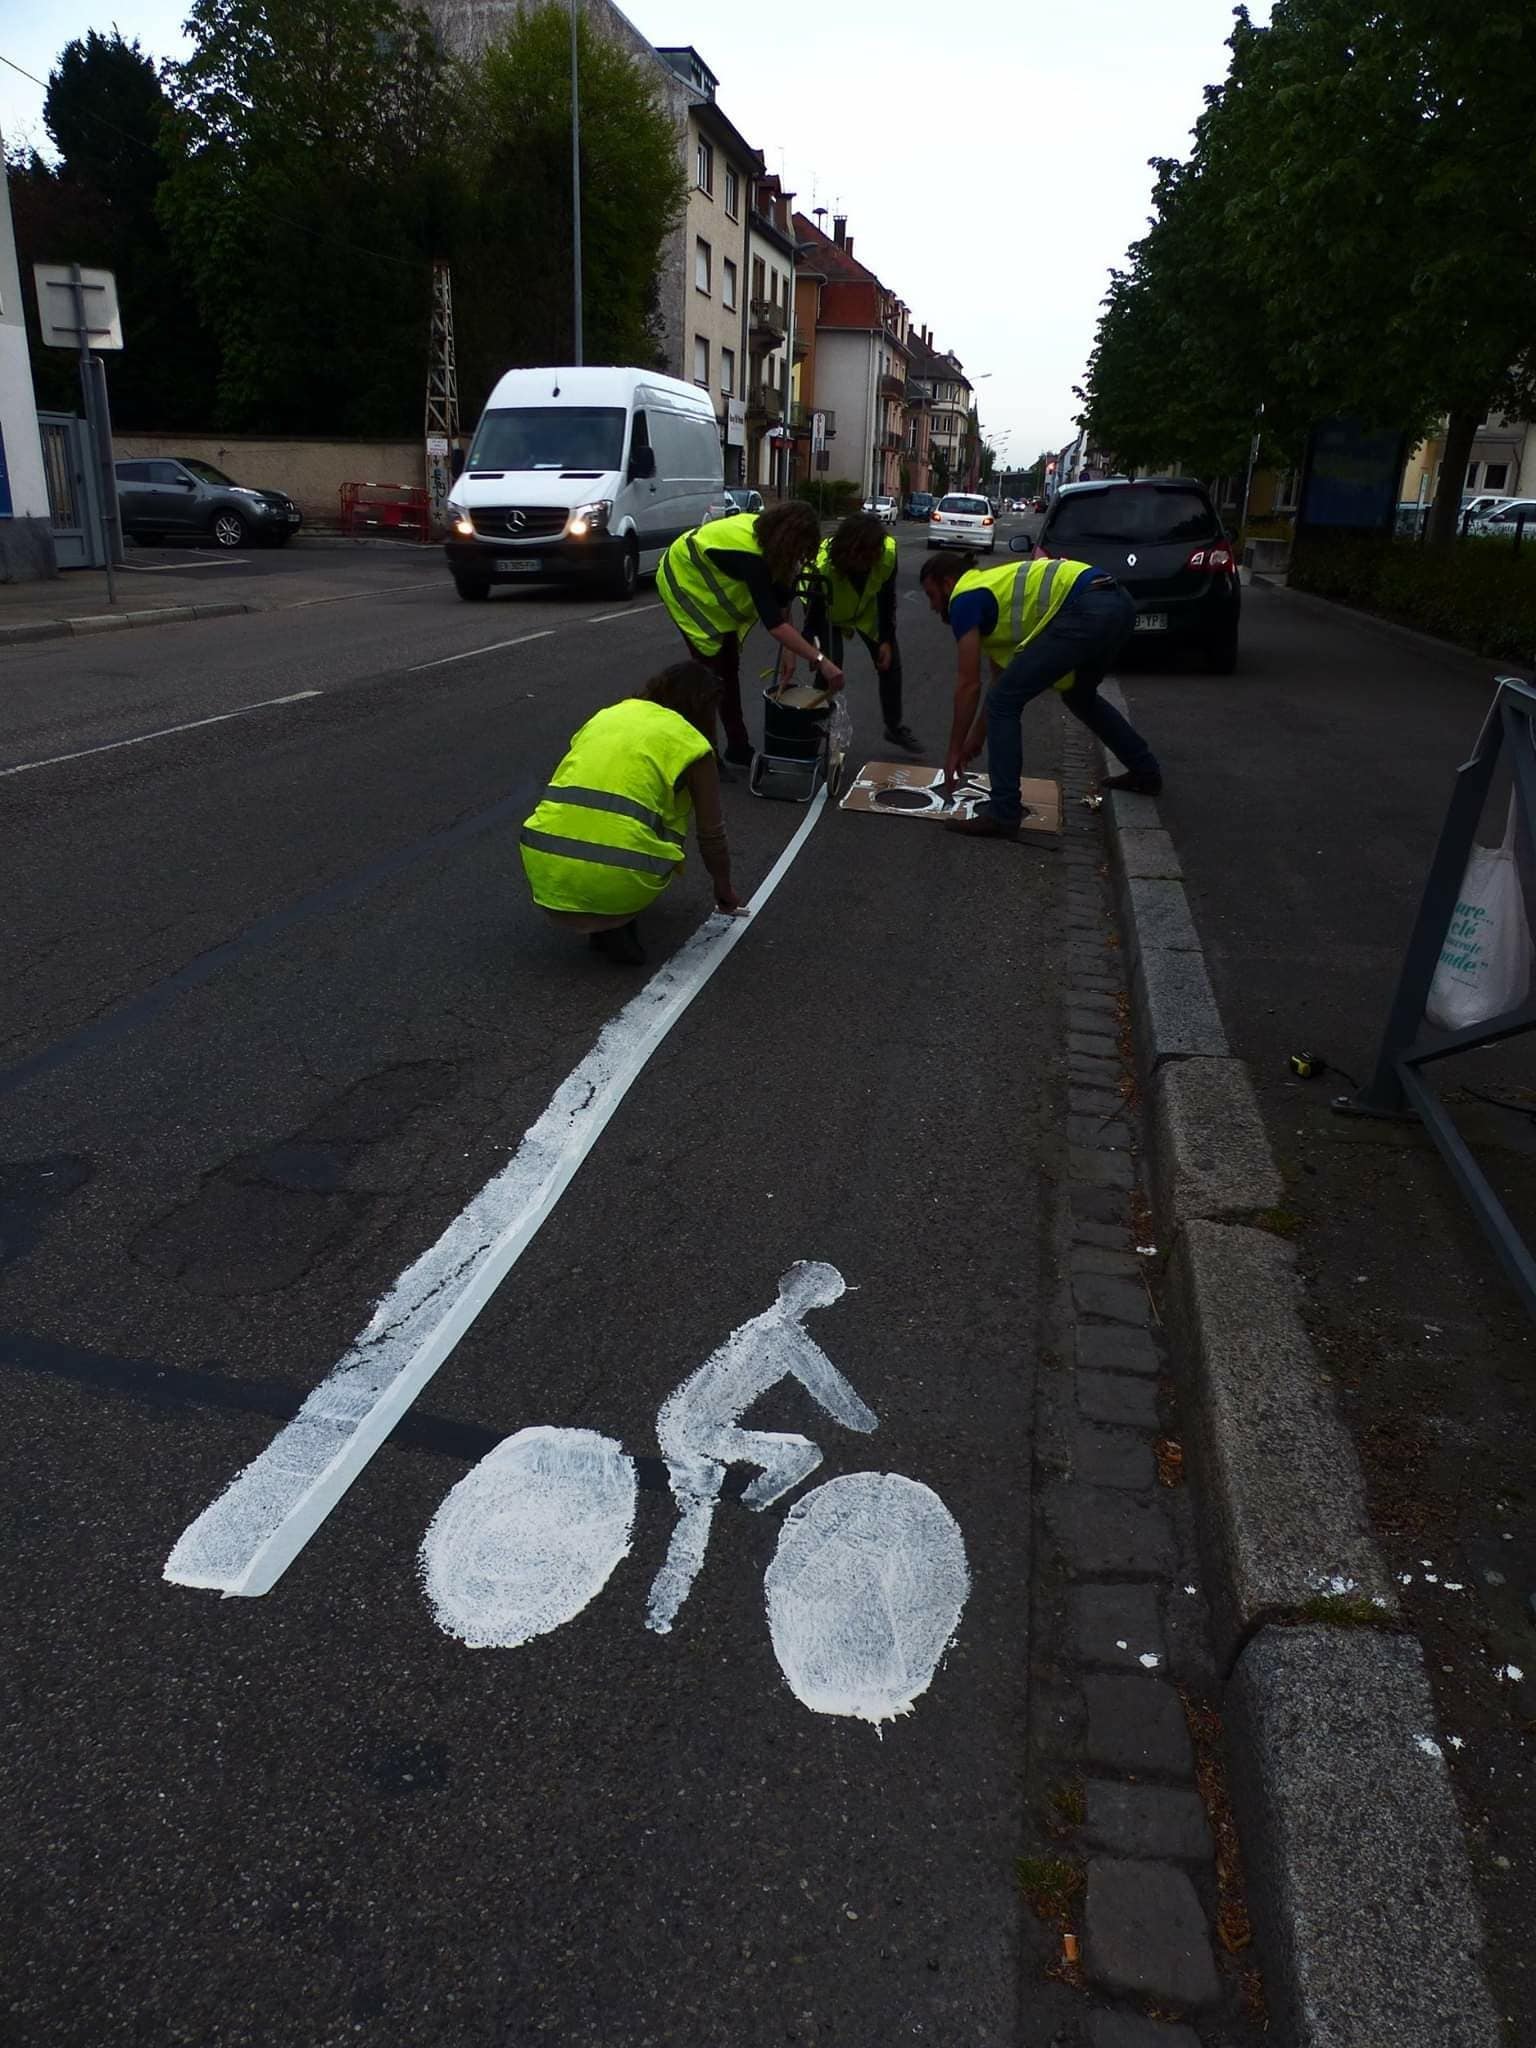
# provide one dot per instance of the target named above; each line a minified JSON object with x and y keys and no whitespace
{"x":630,"y":611}
{"x":469,"y":652}
{"x":165,"y":732}
{"x":245,"y":1540}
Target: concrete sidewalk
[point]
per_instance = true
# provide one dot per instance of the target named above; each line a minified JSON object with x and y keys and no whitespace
{"x":1303,"y":801}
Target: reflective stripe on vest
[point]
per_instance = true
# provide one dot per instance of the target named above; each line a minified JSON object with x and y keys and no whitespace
{"x":603,"y":856}
{"x":706,"y":606}
{"x":606,"y":800}
{"x":1028,"y":597}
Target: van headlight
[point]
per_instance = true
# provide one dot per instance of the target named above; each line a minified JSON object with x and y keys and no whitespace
{"x":464,"y":525}
{"x":589,"y":518}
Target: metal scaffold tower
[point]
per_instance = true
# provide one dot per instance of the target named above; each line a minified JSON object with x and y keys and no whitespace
{"x":442,"y":412}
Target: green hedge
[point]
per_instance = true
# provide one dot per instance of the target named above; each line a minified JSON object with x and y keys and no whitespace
{"x":1478,"y":592}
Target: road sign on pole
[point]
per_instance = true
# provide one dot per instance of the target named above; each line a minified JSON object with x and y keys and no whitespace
{"x":818,"y":432}
{"x":77,"y":309}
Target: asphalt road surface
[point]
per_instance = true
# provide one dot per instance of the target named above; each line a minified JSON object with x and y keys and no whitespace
{"x":277,"y":1007}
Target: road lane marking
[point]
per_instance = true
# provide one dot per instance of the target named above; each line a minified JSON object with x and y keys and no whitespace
{"x":245,"y":1540}
{"x":631,"y":611}
{"x":165,"y":732}
{"x":175,"y":568}
{"x":495,"y":648}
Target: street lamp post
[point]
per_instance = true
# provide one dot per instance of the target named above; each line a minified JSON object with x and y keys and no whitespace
{"x":576,"y":313}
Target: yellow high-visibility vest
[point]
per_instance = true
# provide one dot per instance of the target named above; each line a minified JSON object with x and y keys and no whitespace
{"x":1028,"y":597}
{"x":706,"y":605}
{"x":609,"y":832}
{"x":851,"y":610}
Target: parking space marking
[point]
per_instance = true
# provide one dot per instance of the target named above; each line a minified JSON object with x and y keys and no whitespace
{"x":245,"y":1540}
{"x":469,"y":652}
{"x":165,"y":732}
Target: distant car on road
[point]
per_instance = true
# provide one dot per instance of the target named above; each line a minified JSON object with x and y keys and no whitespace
{"x":883,"y":507}
{"x":744,"y":500}
{"x":1512,"y":516}
{"x":919,"y":505}
{"x":1161,"y":539}
{"x":186,"y":499}
{"x":960,"y":520}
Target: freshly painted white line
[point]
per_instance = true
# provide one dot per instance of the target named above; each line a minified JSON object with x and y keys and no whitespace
{"x":165,"y":732}
{"x":527,"y":1538}
{"x":700,"y":1433}
{"x":865,"y":1593}
{"x":470,"y":652}
{"x":244,"y":1541}
{"x":630,"y":611}
{"x":175,"y":568}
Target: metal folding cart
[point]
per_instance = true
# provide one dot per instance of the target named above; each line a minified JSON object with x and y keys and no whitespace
{"x":804,"y":745}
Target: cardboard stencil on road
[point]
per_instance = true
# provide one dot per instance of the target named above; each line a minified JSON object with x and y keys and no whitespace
{"x":906,"y":789}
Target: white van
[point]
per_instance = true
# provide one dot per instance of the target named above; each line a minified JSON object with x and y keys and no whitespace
{"x":586,"y":474}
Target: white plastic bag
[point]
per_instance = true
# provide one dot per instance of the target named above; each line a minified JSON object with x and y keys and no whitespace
{"x":1485,"y":963}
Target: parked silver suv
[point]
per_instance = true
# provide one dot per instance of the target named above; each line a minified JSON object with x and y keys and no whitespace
{"x":182,"y":498}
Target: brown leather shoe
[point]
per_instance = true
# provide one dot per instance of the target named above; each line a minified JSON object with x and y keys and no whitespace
{"x":984,"y":826}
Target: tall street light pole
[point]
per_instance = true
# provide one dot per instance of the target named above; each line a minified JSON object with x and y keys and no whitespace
{"x":576,"y":318}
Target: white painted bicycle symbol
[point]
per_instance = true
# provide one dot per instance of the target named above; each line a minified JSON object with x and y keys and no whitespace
{"x":866,"y":1585}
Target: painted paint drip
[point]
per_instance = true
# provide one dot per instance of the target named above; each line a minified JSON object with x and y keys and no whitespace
{"x":528,"y":1538}
{"x":865,"y":1593}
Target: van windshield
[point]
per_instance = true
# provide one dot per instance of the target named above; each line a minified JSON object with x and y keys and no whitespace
{"x":552,"y":437}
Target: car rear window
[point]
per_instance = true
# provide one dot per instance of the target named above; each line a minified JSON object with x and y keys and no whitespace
{"x":1128,"y":513}
{"x":964,"y":505}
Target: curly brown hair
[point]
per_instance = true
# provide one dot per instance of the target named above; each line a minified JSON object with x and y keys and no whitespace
{"x":789,"y":535}
{"x":691,"y":690}
{"x":857,"y":545}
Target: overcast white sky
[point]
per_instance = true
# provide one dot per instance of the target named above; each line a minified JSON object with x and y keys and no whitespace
{"x":992,"y":162}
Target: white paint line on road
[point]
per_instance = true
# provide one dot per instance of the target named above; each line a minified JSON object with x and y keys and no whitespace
{"x":176,"y":568}
{"x":165,"y":732}
{"x":245,"y":1540}
{"x":630,"y":611}
{"x":495,"y":648}
{"x":420,"y":583}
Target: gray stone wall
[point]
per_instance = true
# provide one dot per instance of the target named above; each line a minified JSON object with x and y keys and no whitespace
{"x":467,"y":26}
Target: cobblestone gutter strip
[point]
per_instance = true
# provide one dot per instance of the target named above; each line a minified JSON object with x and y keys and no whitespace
{"x":117,"y":622}
{"x":1368,"y":1927}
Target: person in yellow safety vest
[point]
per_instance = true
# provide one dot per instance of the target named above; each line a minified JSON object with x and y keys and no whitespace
{"x":607,"y":836}
{"x":851,"y":588}
{"x":719,"y":580}
{"x":1043,"y":625}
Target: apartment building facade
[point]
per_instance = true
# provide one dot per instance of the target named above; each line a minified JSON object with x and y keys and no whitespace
{"x":773,"y":341}
{"x":861,"y":358}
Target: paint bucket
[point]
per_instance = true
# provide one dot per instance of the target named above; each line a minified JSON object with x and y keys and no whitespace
{"x":795,"y":730}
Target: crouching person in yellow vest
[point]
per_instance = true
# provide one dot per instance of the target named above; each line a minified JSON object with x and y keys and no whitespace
{"x":1043,"y":625}
{"x":719,"y":580}
{"x":851,"y":588}
{"x":608,"y":835}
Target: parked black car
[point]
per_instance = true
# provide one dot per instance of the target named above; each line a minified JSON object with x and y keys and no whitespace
{"x":182,"y":498}
{"x":1161,"y":539}
{"x":919,"y":505}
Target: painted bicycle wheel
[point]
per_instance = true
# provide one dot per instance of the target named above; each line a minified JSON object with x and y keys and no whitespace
{"x":529,"y":1537}
{"x":865,"y":1593}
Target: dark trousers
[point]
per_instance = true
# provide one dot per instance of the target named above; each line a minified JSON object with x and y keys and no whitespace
{"x":1082,"y":640}
{"x":725,"y":662}
{"x":888,"y":679}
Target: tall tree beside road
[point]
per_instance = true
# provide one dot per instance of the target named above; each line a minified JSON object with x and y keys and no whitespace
{"x":516,"y":147}
{"x":309,"y":194}
{"x":106,"y":112}
{"x":1351,"y":234}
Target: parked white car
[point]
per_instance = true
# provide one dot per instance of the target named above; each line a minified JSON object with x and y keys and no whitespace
{"x":962,"y":521}
{"x":1508,"y":519}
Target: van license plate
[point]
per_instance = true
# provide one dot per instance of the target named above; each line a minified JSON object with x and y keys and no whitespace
{"x":1151,"y":622}
{"x":519,"y":565}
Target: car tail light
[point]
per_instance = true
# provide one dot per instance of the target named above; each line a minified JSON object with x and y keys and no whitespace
{"x":935,"y":518}
{"x":1215,"y":561}
{"x":988,"y":520}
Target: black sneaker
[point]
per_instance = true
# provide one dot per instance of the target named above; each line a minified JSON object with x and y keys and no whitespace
{"x":740,"y":756}
{"x":1138,"y":785}
{"x":619,"y":943}
{"x":904,"y":737}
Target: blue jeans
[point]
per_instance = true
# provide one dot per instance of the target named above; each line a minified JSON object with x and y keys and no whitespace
{"x":1085,"y":636}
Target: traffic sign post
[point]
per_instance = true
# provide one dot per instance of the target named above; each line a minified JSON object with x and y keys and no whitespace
{"x":77,"y":309}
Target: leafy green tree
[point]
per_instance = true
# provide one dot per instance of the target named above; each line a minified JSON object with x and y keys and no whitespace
{"x":106,"y":112}
{"x":311,"y":189}
{"x":517,"y":144}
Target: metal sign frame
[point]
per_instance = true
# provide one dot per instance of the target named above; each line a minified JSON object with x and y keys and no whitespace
{"x":1410,"y":1043}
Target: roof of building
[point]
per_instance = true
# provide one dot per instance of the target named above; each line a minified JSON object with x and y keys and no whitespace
{"x":834,"y":260}
{"x":928,"y":362}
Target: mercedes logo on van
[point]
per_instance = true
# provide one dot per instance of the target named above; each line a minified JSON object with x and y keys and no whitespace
{"x":518,"y":521}
{"x":1130,"y":561}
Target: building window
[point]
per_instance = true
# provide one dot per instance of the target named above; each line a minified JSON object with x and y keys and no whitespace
{"x":1495,"y":475}
{"x":701,"y":265}
{"x":758,"y":279}
{"x":701,"y":361}
{"x":728,"y":284}
{"x":704,"y":166}
{"x":732,"y":193}
{"x":728,"y":371}
{"x":1472,"y":469}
